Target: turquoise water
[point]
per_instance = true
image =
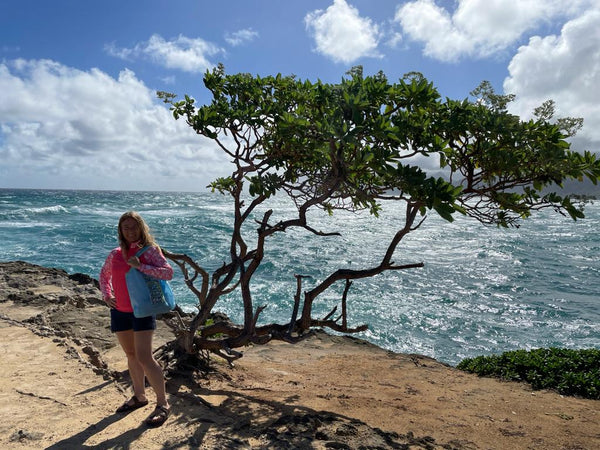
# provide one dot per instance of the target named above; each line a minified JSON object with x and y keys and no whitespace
{"x":482,"y":290}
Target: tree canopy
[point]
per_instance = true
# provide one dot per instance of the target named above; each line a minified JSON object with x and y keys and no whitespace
{"x":352,"y":146}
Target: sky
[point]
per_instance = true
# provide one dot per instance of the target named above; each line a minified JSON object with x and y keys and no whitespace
{"x":78,"y":79}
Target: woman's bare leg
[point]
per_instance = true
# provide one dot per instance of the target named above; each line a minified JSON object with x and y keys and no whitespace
{"x":136,"y":370}
{"x":154,"y":373}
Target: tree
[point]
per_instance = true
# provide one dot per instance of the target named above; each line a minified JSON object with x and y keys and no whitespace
{"x":352,"y":146}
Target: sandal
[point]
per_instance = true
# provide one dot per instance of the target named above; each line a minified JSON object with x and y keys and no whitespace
{"x":132,"y":404}
{"x":158,"y":416}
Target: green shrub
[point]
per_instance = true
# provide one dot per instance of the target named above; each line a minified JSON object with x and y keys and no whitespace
{"x":570,"y":372}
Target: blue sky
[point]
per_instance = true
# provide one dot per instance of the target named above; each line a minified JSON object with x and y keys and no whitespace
{"x":78,"y":108}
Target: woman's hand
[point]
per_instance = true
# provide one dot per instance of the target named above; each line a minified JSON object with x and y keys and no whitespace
{"x":134,"y":261}
{"x":111,"y":301}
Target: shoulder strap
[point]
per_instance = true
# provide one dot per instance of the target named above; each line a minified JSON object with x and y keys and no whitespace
{"x":142,"y":250}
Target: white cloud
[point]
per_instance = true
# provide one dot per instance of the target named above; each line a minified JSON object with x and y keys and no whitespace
{"x":424,"y":21}
{"x":63,"y":127}
{"x":341,"y":34}
{"x":478,"y":28}
{"x":241,"y":37}
{"x":566,"y":69}
{"x":183,"y":53}
{"x":170,"y":79}
{"x":394,"y":39}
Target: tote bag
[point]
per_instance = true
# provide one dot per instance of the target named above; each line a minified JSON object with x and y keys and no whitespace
{"x":149,"y":296}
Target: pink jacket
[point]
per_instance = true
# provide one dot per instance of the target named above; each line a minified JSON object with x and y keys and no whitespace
{"x":112,"y":274}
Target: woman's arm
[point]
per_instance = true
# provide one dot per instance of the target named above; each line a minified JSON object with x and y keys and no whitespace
{"x":106,"y":277}
{"x":156,"y":265}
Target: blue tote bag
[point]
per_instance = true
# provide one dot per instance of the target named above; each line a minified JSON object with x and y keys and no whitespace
{"x":149,"y":296}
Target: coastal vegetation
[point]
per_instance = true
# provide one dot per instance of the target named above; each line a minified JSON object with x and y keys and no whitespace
{"x":570,"y":372}
{"x":353,"y":146}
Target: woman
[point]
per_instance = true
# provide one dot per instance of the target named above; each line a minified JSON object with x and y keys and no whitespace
{"x":135,"y":334}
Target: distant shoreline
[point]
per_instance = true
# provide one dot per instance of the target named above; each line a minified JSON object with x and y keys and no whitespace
{"x":577,"y":195}
{"x":100,"y":190}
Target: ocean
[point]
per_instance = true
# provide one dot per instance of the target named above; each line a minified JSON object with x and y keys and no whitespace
{"x":482,"y":291}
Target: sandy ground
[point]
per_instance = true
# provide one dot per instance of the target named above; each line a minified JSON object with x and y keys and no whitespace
{"x":62,"y":377}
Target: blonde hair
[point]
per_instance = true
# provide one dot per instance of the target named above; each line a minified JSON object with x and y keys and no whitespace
{"x":146,"y":237}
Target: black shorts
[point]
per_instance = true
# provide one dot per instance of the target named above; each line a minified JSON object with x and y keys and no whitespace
{"x":123,"y":321}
